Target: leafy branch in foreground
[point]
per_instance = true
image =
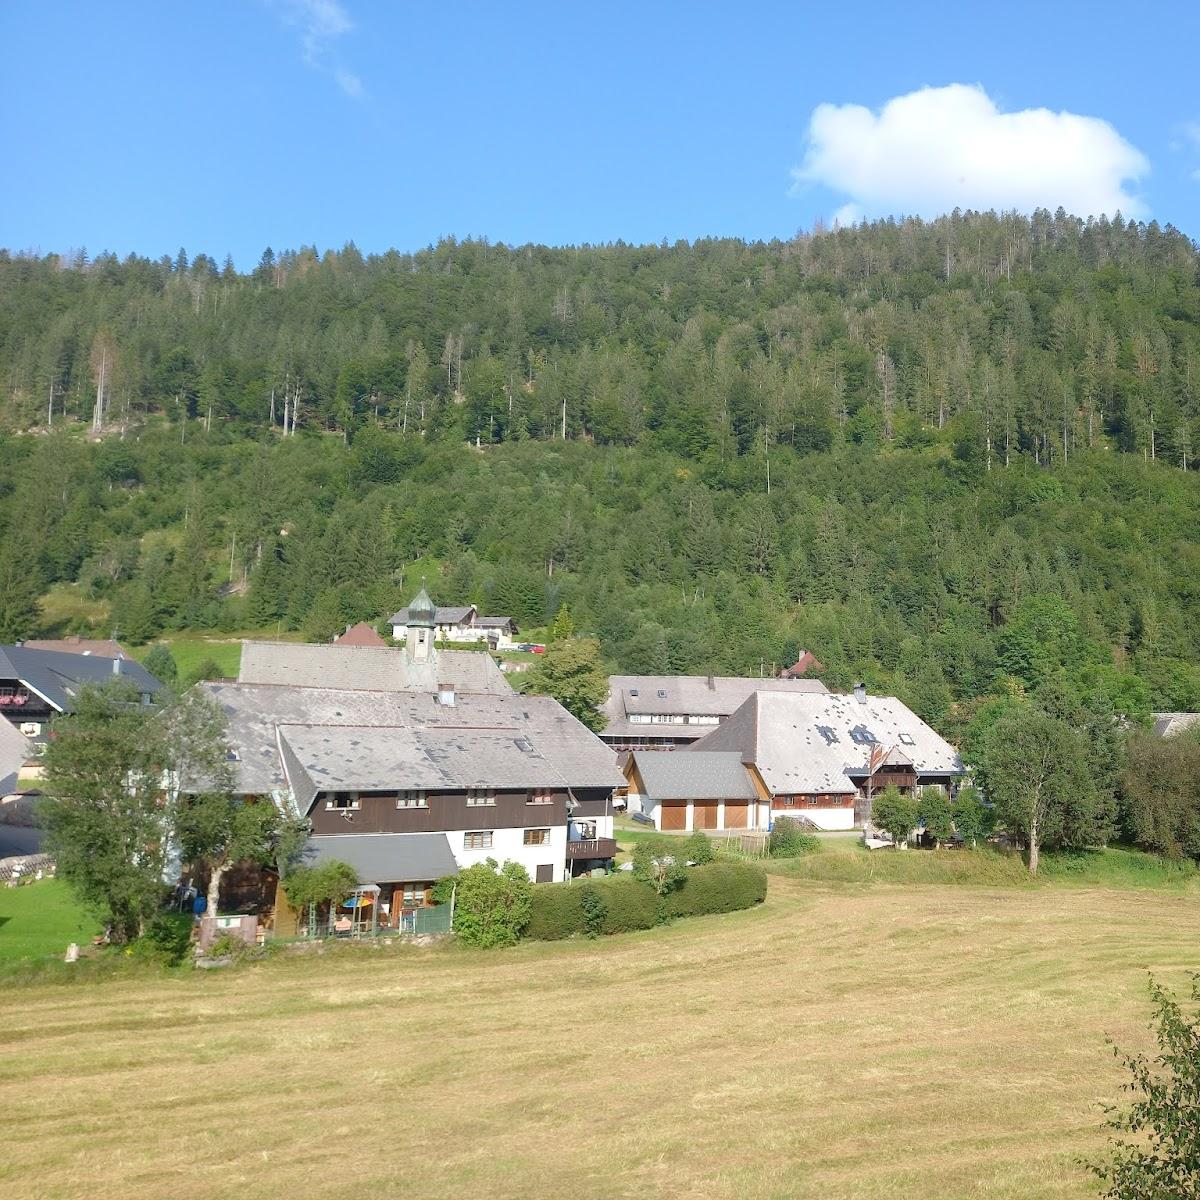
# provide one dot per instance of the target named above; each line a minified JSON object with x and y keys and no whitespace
{"x":1164,"y":1162}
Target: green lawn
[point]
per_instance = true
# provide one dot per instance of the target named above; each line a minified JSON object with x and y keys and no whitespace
{"x":40,"y":919}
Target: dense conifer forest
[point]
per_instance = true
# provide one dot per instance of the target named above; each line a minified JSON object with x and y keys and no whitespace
{"x":952,"y":458}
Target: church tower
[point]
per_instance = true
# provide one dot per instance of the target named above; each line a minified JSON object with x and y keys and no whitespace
{"x":422,"y":625}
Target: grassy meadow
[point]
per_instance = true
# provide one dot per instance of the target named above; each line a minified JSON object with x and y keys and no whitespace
{"x":40,"y":919}
{"x":861,"y":1041}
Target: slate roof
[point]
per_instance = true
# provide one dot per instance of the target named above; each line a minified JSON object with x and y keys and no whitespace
{"x":57,"y":676}
{"x":368,"y":668}
{"x":1169,"y":724}
{"x":443,"y":616}
{"x":496,"y":623}
{"x":385,"y":857}
{"x":699,"y":695}
{"x":813,"y":744}
{"x":292,"y":738}
{"x":719,"y":775}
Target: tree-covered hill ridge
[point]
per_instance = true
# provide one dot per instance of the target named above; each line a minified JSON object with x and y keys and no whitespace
{"x":953,"y":458}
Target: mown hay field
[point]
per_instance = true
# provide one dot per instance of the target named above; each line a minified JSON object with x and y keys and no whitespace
{"x":838,"y":1041}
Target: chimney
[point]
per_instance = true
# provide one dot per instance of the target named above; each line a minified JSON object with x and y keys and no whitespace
{"x":712,"y":683}
{"x":116,"y":666}
{"x":860,"y":693}
{"x":446,"y":694}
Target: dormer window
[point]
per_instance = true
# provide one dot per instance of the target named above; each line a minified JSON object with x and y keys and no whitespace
{"x":411,"y":799}
{"x":541,"y":796}
{"x":480,"y":798}
{"x":341,"y":801}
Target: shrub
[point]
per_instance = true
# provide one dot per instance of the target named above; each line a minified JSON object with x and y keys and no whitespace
{"x":618,"y":904}
{"x":594,"y":910}
{"x":631,"y":905}
{"x":788,"y":840}
{"x":621,"y":903}
{"x":973,"y":819}
{"x":166,"y":940}
{"x":933,"y":811}
{"x":659,"y":861}
{"x":332,"y":880}
{"x":555,"y":912}
{"x":698,"y":849}
{"x":716,"y":888}
{"x":895,"y":813}
{"x":492,"y":905}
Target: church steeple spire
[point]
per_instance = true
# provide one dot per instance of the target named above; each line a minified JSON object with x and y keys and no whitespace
{"x":422,"y":623}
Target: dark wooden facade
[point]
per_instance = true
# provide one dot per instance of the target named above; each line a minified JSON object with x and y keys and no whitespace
{"x":444,"y":811}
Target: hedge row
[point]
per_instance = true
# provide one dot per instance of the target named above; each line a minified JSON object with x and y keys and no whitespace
{"x":621,"y":903}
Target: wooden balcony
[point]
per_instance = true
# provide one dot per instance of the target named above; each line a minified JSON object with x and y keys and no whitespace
{"x":592,"y":848}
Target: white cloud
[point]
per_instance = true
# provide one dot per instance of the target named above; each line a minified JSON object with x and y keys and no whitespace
{"x":321,"y":23}
{"x":942,"y":148}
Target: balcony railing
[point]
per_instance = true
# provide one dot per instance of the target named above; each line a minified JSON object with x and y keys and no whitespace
{"x":592,"y":848}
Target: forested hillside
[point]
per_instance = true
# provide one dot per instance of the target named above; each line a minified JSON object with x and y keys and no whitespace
{"x":953,"y":458}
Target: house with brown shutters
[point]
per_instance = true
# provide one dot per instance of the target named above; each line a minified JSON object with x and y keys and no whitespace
{"x":824,"y":757}
{"x":413,"y":764}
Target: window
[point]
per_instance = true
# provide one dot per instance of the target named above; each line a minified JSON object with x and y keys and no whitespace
{"x":480,"y":797}
{"x":639,"y":719}
{"x":541,"y":796}
{"x":908,"y":739}
{"x":698,"y":720}
{"x":863,"y":736}
{"x":537,"y":837}
{"x":828,"y":734}
{"x":411,"y":800}
{"x":414,"y":894}
{"x":342,"y":800}
{"x":477,"y":839}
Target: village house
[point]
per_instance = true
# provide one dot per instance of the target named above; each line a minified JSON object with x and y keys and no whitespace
{"x":688,"y":790}
{"x":462,"y":624}
{"x":36,"y":684}
{"x":1169,"y":724}
{"x":668,"y":712}
{"x":413,"y":764}
{"x":824,"y":757}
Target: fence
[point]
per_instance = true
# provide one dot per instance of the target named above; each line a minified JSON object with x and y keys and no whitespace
{"x":24,"y":867}
{"x":437,"y":918}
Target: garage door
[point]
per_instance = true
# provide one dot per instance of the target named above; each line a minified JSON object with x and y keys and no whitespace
{"x":674,"y":816}
{"x":704,"y":816}
{"x":737,"y":816}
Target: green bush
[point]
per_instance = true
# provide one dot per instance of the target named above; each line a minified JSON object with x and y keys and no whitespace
{"x":716,"y":888}
{"x":492,"y":903}
{"x":698,"y":849}
{"x":621,"y":903}
{"x":631,"y":905}
{"x":555,"y":912}
{"x":788,"y":840}
{"x":594,"y":908}
{"x":167,"y":939}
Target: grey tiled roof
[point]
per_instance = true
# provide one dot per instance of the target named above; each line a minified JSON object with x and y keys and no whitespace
{"x":403,"y":736}
{"x":58,"y":676}
{"x":442,"y":616}
{"x":369,"y":668}
{"x":699,"y":695}
{"x":688,"y":776}
{"x":385,"y":857}
{"x":812,"y":744}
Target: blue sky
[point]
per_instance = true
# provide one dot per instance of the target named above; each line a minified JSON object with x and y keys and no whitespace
{"x":229,"y":125}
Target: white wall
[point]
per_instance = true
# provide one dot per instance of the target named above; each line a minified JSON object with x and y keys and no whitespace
{"x":509,"y":844}
{"x":823,"y":818}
